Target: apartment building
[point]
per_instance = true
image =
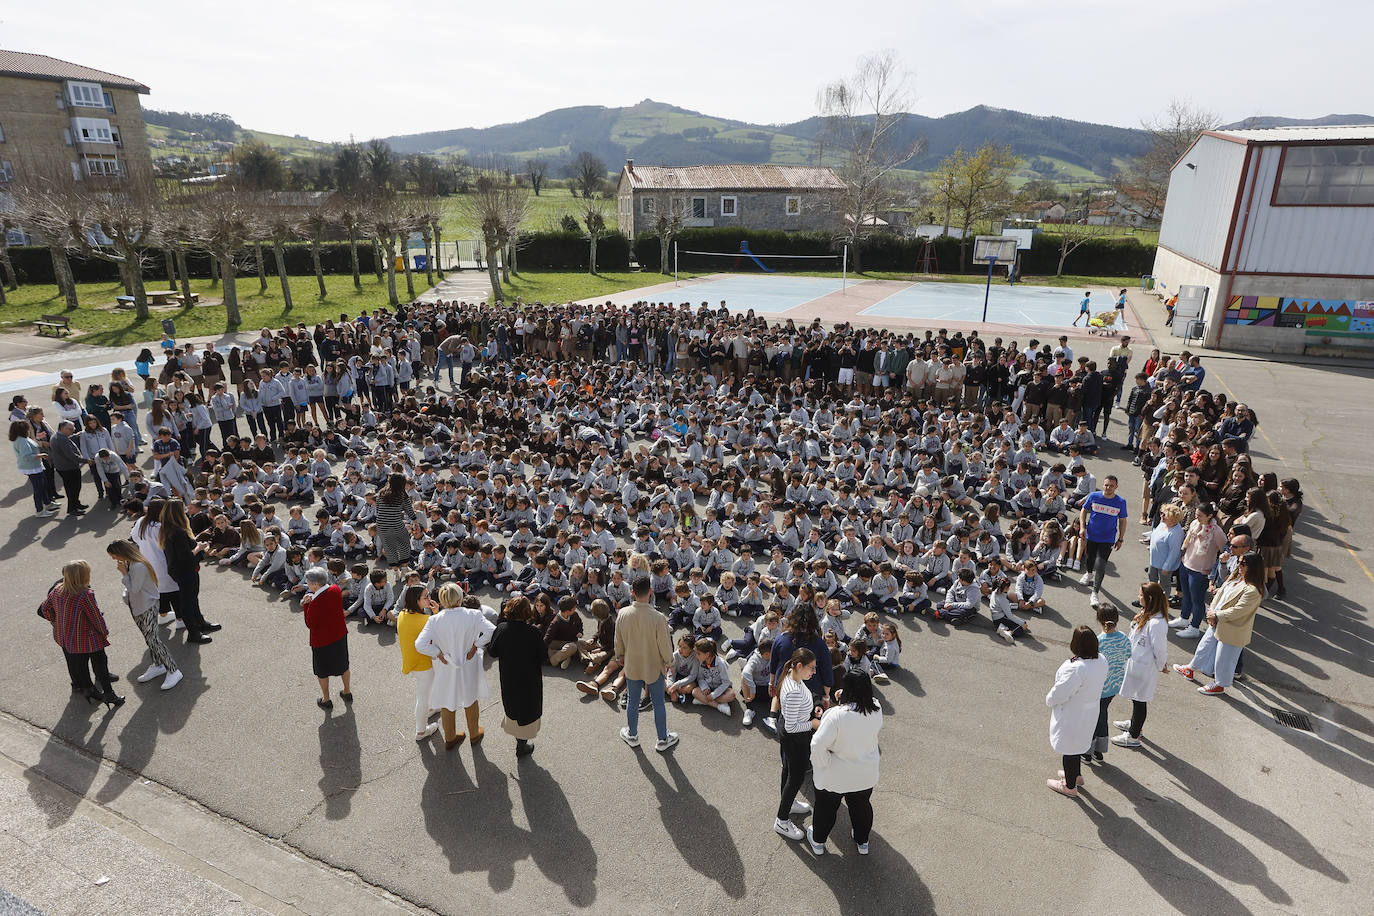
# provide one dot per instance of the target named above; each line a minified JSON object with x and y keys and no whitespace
{"x":57,"y":116}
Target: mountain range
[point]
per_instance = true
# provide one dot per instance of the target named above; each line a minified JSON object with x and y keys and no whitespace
{"x":656,"y":133}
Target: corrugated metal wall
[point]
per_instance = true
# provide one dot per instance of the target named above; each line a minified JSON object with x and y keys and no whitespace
{"x":1299,"y":240}
{"x":1201,"y":200}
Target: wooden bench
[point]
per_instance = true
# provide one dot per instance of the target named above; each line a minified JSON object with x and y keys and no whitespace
{"x":195,"y":297}
{"x":60,"y":324}
{"x":161,"y":296}
{"x":124,"y":302}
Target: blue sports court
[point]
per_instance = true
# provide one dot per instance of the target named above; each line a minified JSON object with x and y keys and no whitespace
{"x":963,"y":302}
{"x":764,"y":294}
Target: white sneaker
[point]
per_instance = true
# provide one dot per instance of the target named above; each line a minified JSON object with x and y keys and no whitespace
{"x":748,"y":718}
{"x":724,"y":707}
{"x":770,"y":723}
{"x":881,"y":678}
{"x":631,"y":740}
{"x":816,"y":848}
{"x":863,"y":847}
{"x":1094,"y":599}
{"x":800,"y":807}
{"x":731,"y":655}
{"x":1006,"y":634}
{"x":152,"y":672}
{"x":1125,"y":740}
{"x":171,"y":680}
{"x":45,"y":513}
{"x":788,"y":829}
{"x":696,"y":702}
{"x":1123,"y":725}
{"x":178,"y":625}
{"x":1178,"y":623}
{"x":667,"y":743}
{"x":1189,"y":633}
{"x":1086,"y":578}
{"x":166,"y":618}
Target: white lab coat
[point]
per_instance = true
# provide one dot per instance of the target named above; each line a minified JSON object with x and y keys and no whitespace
{"x":1073,"y":703}
{"x":148,"y":546}
{"x":1149,"y":653}
{"x":462,"y":681}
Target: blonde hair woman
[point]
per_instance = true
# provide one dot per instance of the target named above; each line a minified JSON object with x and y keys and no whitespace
{"x":141,"y":595}
{"x":455,"y":637}
{"x":80,"y":630}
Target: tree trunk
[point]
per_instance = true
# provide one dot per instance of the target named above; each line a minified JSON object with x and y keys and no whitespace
{"x":170,"y":267}
{"x":591,"y":255}
{"x":664,"y":246}
{"x":132,"y":275}
{"x":389,"y":252}
{"x":232,"y":318}
{"x":1063,"y":256}
{"x":279,"y":253}
{"x":382,"y":268}
{"x":428,"y":236}
{"x":11,"y":279}
{"x":353,"y":257}
{"x":214,"y":271}
{"x":262,"y":266}
{"x":492,"y":273}
{"x":315,"y":260}
{"x":856,"y":265}
{"x":506,"y":261}
{"x":438,"y":256}
{"x":185,"y":275}
{"x":406,"y":265}
{"x":62,"y":272}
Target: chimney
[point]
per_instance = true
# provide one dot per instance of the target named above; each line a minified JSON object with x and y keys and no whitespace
{"x":630,"y":166}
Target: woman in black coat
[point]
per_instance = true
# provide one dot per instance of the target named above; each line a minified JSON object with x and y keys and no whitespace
{"x":179,"y":547}
{"x":518,"y":646}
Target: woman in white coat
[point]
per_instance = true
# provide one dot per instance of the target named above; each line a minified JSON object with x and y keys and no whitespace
{"x":844,"y":763}
{"x":1149,"y":659}
{"x":1073,"y":703}
{"x":454,"y":637}
{"x":144,"y":535}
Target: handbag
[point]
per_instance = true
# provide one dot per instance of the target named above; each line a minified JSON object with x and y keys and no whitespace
{"x":45,"y":600}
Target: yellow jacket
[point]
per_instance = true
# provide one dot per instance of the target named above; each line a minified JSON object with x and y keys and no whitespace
{"x":408,"y":627}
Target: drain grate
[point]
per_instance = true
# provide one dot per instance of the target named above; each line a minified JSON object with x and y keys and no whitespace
{"x":1292,"y":719}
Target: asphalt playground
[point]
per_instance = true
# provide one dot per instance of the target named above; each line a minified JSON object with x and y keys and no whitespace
{"x":1224,"y":810}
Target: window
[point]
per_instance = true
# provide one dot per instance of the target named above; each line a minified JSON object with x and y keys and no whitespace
{"x":698,"y":208}
{"x":728,"y":206}
{"x":1330,"y":176}
{"x":109,"y":100}
{"x":114,"y":135}
{"x":793,"y":205}
{"x":67,"y":135}
{"x":76,"y":171}
{"x":92,"y":130}
{"x":647,"y":205}
{"x":85,"y":95}
{"x":6,"y":171}
{"x":103,"y":167}
{"x":2,"y":133}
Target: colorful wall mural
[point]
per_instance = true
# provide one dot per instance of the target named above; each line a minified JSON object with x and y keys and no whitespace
{"x":1319,"y":317}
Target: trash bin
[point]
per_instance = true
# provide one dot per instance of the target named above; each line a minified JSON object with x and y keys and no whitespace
{"x":421,"y":261}
{"x":1147,"y":282}
{"x":169,"y":327}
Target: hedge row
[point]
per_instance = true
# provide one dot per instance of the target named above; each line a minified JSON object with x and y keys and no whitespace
{"x":562,"y":250}
{"x":34,"y":264}
{"x":1124,"y":257}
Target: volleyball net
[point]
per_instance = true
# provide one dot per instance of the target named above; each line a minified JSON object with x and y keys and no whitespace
{"x":689,"y":264}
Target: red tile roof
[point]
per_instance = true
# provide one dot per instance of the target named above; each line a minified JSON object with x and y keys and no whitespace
{"x":732,"y":178}
{"x":43,"y":67}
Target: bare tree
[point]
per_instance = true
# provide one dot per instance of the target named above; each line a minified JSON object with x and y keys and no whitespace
{"x":594,"y":223}
{"x":223,"y":221}
{"x":863,"y":116}
{"x":176,"y":233}
{"x":588,"y":174}
{"x":670,"y":218}
{"x":1146,"y":180}
{"x":315,"y":224}
{"x":389,"y":223}
{"x":426,"y":212}
{"x":49,"y":202}
{"x":283,"y":226}
{"x":10,"y":278}
{"x":515,"y":208}
{"x":536,"y":169}
{"x":492,"y":207}
{"x":350,"y":213}
{"x":127,"y":215}
{"x":1073,"y":236}
{"x":975,"y":187}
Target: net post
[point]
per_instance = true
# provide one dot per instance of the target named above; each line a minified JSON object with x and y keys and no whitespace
{"x":675,"y":263}
{"x":988,"y":290}
{"x":844,"y":269}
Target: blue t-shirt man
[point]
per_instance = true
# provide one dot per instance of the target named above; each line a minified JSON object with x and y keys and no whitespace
{"x":1104,"y":524}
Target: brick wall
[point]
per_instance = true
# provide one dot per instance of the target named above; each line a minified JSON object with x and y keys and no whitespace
{"x":33,"y":127}
{"x":753,"y":210}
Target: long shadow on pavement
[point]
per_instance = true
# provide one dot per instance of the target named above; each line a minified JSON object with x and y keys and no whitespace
{"x":1215,"y":850}
{"x":341,"y":761}
{"x":471,"y":820}
{"x":74,"y":771}
{"x":561,"y":851}
{"x":696,"y":827}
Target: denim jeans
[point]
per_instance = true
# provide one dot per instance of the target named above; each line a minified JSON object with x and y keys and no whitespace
{"x":1215,"y":658}
{"x":1193,"y":594}
{"x":1133,"y":425}
{"x":633,"y":690}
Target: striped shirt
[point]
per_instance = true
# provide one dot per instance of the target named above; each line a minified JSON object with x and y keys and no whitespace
{"x":796,"y":702}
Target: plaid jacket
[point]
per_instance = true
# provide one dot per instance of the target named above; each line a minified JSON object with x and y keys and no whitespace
{"x":77,"y":624}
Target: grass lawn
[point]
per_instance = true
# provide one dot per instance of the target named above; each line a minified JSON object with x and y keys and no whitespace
{"x":95,"y":321}
{"x":558,"y":286}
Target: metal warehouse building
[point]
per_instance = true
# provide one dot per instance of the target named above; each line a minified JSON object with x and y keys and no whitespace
{"x":1278,"y":225}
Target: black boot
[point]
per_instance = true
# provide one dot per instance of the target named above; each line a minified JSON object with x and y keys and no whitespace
{"x":523,"y":748}
{"x":107,"y":696}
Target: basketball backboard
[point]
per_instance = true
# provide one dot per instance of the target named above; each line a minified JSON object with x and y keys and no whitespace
{"x":999,"y":249}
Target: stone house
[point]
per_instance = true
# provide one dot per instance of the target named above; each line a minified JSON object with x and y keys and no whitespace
{"x":791,"y":198}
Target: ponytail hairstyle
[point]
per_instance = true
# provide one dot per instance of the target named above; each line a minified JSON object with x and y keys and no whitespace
{"x":128,"y":551}
{"x":800,"y":658}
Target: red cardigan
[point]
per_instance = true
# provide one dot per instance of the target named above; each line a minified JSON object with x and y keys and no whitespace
{"x":324,"y":615}
{"x":77,"y":624}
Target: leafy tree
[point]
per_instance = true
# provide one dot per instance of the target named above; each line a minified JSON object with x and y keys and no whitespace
{"x":259,"y":166}
{"x":349,"y":168}
{"x":381,"y":166}
{"x":568,"y":223}
{"x":975,"y":187}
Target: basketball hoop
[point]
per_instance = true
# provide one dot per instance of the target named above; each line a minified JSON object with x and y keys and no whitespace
{"x":995,"y":249}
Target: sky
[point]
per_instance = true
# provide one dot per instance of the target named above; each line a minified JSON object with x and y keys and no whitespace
{"x":347,"y":68}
